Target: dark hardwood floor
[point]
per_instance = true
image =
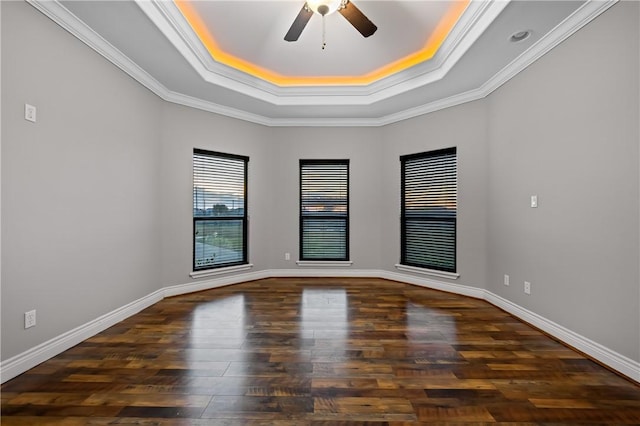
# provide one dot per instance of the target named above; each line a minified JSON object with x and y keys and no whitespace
{"x":315,"y":352}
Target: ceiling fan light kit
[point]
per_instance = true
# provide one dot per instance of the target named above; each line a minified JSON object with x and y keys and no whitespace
{"x":326,"y":7}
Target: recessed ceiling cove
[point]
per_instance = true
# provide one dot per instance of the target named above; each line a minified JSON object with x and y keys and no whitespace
{"x":330,"y":52}
{"x":230,"y":57}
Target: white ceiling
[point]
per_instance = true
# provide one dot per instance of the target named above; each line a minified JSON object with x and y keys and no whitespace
{"x":254,"y":30}
{"x":152,"y":41}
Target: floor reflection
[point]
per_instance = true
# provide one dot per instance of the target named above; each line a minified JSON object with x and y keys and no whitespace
{"x":425,"y":323}
{"x":218,"y":332}
{"x":430,"y":338}
{"x":324,"y":314}
{"x":219,"y":324}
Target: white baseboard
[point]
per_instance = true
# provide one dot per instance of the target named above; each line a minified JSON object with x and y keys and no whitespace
{"x":612,"y":359}
{"x":325,"y":272}
{"x":209,"y":284}
{"x":463,"y":290}
{"x":28,"y":359}
{"x":38,"y":354}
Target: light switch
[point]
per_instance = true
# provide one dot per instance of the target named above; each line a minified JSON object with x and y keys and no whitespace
{"x":534,"y":201}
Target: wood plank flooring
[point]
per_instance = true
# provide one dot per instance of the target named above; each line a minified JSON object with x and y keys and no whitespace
{"x":319,"y":352}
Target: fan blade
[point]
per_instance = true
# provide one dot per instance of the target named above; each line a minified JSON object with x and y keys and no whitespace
{"x":299,"y":23}
{"x":358,"y":20}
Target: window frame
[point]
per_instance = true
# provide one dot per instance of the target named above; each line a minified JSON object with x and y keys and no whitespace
{"x":244,"y":218}
{"x":302,"y":257}
{"x":404,"y":218}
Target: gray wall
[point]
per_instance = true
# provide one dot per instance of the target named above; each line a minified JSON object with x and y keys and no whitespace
{"x":362,"y":147}
{"x":273,"y":186}
{"x":184,"y":129}
{"x":96,"y":196}
{"x":566,"y":129}
{"x":79,"y":201}
{"x":0,"y":180}
{"x":465,"y":127}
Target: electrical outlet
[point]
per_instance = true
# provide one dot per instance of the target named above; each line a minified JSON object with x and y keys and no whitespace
{"x":287,"y":256}
{"x":29,"y":113}
{"x":527,"y":287}
{"x":30,"y":319}
{"x":506,"y":279}
{"x":534,"y":201}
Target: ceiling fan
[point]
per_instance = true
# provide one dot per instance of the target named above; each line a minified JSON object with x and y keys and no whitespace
{"x":326,"y":7}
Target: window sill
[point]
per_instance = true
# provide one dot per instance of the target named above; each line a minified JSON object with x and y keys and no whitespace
{"x":424,"y":271}
{"x":220,"y":271}
{"x":324,"y":263}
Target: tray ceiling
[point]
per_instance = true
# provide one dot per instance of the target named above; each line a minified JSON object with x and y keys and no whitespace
{"x":230,"y":57}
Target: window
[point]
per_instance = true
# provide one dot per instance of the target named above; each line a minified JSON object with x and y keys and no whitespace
{"x":219,"y":210}
{"x":324,"y":210}
{"x":428,"y":210}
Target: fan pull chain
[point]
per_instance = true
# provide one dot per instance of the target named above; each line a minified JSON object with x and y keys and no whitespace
{"x":324,"y":42}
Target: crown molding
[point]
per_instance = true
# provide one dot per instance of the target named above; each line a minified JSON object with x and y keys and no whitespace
{"x":581,"y":17}
{"x":197,"y":103}
{"x":474,"y":21}
{"x":59,"y":14}
{"x":54,"y":10}
{"x":578,"y":19}
{"x":170,"y":24}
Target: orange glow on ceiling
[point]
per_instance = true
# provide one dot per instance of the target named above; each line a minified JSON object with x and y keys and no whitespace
{"x":442,"y":30}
